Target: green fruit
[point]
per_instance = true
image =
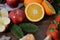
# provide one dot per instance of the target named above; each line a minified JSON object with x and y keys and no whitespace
{"x":28,"y":27}
{"x":17,"y":31}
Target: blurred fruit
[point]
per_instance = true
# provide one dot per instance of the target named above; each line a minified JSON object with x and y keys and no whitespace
{"x":48,"y":38}
{"x":48,"y":8}
{"x":17,"y":16}
{"x":57,"y":19}
{"x":17,"y":31}
{"x":34,"y":12}
{"x":50,"y":1}
{"x":59,"y":4}
{"x":28,"y":37}
{"x":3,"y":12}
{"x":21,"y":0}
{"x":28,"y":27}
{"x":2,"y":28}
{"x":12,"y":3}
{"x":26,"y":2}
{"x":52,"y":30}
{"x":53,"y":25}
{"x":4,"y":21}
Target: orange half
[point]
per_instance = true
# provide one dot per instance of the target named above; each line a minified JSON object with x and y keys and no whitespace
{"x":26,"y":2}
{"x":34,"y":12}
{"x":49,"y":9}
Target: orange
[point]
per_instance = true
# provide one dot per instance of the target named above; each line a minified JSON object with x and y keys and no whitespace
{"x":48,"y":8}
{"x":26,"y":2}
{"x":34,"y":12}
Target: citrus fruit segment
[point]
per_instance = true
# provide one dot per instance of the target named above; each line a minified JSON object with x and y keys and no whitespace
{"x":4,"y":21}
{"x":34,"y":12}
{"x":28,"y":37}
{"x":26,"y":2}
{"x":2,"y":28}
{"x":3,"y":12}
{"x":48,"y":8}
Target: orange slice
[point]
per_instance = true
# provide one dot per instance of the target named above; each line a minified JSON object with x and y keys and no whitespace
{"x":26,"y":2}
{"x":34,"y":12}
{"x":48,"y":8}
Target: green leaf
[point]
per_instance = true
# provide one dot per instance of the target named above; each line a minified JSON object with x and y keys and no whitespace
{"x":17,"y":31}
{"x":28,"y":27}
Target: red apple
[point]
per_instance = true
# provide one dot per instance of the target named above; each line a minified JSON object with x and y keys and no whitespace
{"x":12,"y":3}
{"x":17,"y":16}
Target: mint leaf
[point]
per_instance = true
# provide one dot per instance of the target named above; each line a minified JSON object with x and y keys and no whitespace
{"x":17,"y":31}
{"x":28,"y":27}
